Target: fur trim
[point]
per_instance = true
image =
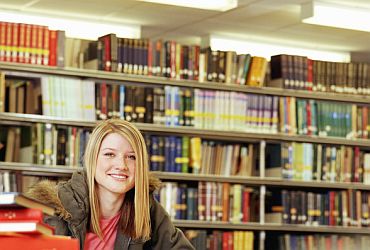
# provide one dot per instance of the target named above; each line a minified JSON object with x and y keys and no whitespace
{"x":154,"y":182}
{"x":46,"y":191}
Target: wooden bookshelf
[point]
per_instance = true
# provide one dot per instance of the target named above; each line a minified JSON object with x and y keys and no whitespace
{"x":171,"y":176}
{"x":258,"y":182}
{"x":24,"y":119}
{"x":270,"y":227}
{"x":162,"y":81}
{"x":36,"y":169}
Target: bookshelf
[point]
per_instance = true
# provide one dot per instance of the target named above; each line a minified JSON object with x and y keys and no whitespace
{"x":260,"y":182}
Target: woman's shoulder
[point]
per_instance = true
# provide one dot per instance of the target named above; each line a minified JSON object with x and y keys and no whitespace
{"x":46,"y":192}
{"x":66,"y":197}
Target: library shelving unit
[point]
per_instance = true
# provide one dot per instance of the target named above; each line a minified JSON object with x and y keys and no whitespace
{"x":259,"y":182}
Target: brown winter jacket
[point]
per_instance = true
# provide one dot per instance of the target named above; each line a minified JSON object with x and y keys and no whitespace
{"x":72,"y":215}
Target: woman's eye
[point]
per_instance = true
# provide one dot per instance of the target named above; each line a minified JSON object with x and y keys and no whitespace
{"x":109,"y":154}
{"x":131,"y":157}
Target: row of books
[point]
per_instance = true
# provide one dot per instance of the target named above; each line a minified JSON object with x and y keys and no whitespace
{"x":194,"y":155}
{"x":230,"y":68}
{"x":22,"y":226}
{"x":48,"y":95}
{"x":43,"y":143}
{"x":173,"y":60}
{"x":300,"y":72}
{"x":307,"y":161}
{"x":323,"y":118}
{"x":332,"y":208}
{"x":174,"y":106}
{"x":33,"y":44}
{"x":17,"y":182}
{"x":221,"y":240}
{"x":37,"y":44}
{"x":210,"y":201}
{"x":318,"y":242}
{"x":50,"y":144}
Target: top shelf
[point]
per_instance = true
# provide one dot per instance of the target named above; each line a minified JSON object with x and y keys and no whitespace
{"x":161,"y":81}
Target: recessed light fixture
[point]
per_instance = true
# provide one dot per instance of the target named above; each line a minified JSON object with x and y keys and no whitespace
{"x":218,"y":5}
{"x":335,"y":15}
{"x":76,"y":28}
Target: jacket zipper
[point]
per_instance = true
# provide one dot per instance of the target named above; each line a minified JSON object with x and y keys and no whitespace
{"x":128,"y":242}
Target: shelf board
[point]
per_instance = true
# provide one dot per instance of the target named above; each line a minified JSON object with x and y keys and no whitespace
{"x":250,"y":181}
{"x":36,"y":169}
{"x":269,"y":227}
{"x":150,"y":80}
{"x":27,"y":119}
{"x":259,"y":181}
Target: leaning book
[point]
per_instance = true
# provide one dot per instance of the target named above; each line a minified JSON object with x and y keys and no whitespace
{"x":14,"y":199}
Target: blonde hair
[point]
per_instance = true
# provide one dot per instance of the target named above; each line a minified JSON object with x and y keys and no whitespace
{"x":135,"y":218}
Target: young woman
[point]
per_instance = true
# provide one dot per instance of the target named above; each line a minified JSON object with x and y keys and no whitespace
{"x":110,"y":205}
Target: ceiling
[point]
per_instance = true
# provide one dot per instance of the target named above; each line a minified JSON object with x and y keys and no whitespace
{"x":273,"y":21}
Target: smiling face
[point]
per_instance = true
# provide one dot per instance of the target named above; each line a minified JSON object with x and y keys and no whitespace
{"x":115,"y":167}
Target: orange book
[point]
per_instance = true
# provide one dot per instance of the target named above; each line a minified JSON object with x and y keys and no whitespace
{"x":225,"y":201}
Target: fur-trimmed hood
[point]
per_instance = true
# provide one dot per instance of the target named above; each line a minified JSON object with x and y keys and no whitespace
{"x":59,"y":196}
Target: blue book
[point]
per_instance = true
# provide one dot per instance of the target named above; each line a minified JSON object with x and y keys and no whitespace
{"x":178,"y":154}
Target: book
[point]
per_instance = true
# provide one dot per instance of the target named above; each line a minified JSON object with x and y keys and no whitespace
{"x":32,"y":242}
{"x":26,"y":226}
{"x":20,"y":214}
{"x":15,"y":199}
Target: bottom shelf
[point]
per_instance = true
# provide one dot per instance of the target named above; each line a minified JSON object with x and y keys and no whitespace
{"x":247,"y":240}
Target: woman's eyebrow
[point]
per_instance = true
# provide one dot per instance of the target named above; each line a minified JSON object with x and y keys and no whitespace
{"x":109,"y":149}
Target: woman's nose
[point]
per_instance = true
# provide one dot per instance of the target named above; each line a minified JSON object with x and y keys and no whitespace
{"x":121,"y":162}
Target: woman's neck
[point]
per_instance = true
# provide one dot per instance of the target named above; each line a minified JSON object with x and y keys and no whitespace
{"x":110,"y":204}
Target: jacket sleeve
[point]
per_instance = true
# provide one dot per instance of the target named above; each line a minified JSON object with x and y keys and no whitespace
{"x":60,"y":226}
{"x":165,"y":235}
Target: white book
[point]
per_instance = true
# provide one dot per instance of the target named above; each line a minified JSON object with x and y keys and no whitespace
{"x":367,"y":168}
{"x":46,"y":96}
{"x":88,"y":100}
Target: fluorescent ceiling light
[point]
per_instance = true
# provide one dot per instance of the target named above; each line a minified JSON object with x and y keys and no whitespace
{"x":257,"y":48}
{"x":76,"y":28}
{"x":334,"y":15}
{"x":219,"y":5}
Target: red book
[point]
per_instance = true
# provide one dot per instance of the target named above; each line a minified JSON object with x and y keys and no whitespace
{"x":45,"y":45}
{"x":150,"y":57}
{"x":15,"y":242}
{"x":53,"y":37}
{"x":104,"y":101}
{"x":331,"y":208}
{"x":21,"y":42}
{"x":33,"y":44}
{"x":246,"y":205}
{"x":8,"y":41}
{"x":27,"y":43}
{"x":309,"y":74}
{"x":2,"y":40}
{"x":309,"y":118}
{"x":7,"y":214}
{"x":14,"y":42}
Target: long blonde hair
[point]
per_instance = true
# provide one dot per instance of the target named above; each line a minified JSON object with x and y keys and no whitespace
{"x":135,"y":218}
